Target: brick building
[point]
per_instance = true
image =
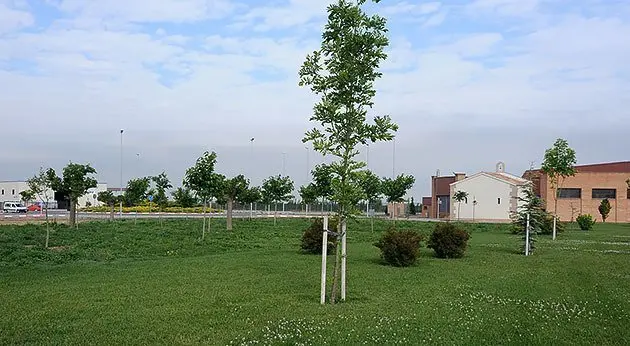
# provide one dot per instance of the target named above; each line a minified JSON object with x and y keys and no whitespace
{"x":583,"y":193}
{"x":441,"y":194}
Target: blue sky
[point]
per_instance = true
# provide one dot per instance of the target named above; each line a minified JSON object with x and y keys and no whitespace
{"x":185,"y":75}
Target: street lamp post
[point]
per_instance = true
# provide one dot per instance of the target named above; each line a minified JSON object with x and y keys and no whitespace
{"x":284,"y":159}
{"x":121,"y":172}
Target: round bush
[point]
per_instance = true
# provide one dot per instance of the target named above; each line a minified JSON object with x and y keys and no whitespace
{"x":399,"y":248}
{"x":313,"y":236}
{"x":448,"y":240}
{"x":585,"y":221}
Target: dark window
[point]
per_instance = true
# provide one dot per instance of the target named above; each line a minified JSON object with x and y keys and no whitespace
{"x":604,"y":193}
{"x":3,"y":191}
{"x":13,"y":192}
{"x":628,"y":193}
{"x":570,"y":193}
{"x":499,"y":200}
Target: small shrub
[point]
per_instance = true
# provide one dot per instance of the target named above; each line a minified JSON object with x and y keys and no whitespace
{"x":313,"y":236}
{"x":399,"y":248}
{"x":547,"y":225}
{"x":448,"y":240}
{"x":585,"y":221}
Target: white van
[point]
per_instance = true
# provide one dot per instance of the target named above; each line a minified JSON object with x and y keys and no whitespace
{"x":13,"y":207}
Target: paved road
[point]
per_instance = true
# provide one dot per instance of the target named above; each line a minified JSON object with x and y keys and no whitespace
{"x":60,"y":214}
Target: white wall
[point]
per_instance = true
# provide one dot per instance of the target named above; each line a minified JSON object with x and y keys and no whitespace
{"x":89,"y":196}
{"x":486,"y":191}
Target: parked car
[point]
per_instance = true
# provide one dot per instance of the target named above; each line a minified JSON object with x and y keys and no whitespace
{"x":13,"y":207}
{"x":34,"y":207}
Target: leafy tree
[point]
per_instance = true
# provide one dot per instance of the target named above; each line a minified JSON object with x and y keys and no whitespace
{"x":308,"y":193}
{"x":76,"y":180}
{"x":27,"y":196}
{"x":137,"y":191}
{"x":202,"y":179}
{"x":322,"y":182}
{"x":395,"y":189}
{"x":250,"y":196}
{"x":459,"y":197}
{"x":277,"y":189}
{"x":604,"y":209}
{"x":41,"y":185}
{"x":162,"y":183}
{"x":342,"y":72}
{"x":108,"y":198}
{"x":558,"y":164}
{"x":371,"y":185}
{"x":231,"y":190}
{"x":535,"y":207}
{"x":412,"y":207}
{"x":184,"y":197}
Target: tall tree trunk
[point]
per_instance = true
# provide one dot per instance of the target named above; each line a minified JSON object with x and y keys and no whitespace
{"x":459,"y":208}
{"x":275,"y":213}
{"x":111,"y":212}
{"x":230,"y":207}
{"x":73,"y":213}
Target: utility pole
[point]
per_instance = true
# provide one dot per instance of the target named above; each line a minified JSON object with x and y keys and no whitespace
{"x":121,"y":171}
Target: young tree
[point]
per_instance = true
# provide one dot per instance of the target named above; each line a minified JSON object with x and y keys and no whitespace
{"x":27,"y":196}
{"x":412,"y":207}
{"x":395,"y":189}
{"x":372,"y":189}
{"x":108,"y":198}
{"x":250,"y":196}
{"x":162,"y":183}
{"x":604,"y":209}
{"x":137,"y":191}
{"x":342,"y":72}
{"x":459,"y":197}
{"x":184,"y":197}
{"x":41,"y":185}
{"x":322,"y":182}
{"x":231,"y":190}
{"x":558,"y":164}
{"x":203,"y":181}
{"x":76,"y":180}
{"x":308,"y":193}
{"x":534,"y":207}
{"x":277,"y":189}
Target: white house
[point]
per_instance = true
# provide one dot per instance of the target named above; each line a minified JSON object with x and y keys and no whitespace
{"x":492,"y":196}
{"x":10,"y":191}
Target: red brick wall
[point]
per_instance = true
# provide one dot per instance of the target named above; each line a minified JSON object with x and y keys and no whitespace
{"x":620,"y":211}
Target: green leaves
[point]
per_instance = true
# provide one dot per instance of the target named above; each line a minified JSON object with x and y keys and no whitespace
{"x":308,"y":193}
{"x":559,"y":161}
{"x":395,"y":189}
{"x":41,"y":185}
{"x":604,"y":209}
{"x":342,"y":72}
{"x":370,"y":184}
{"x":277,"y":189}
{"x":460,"y":196}
{"x":201,"y":177}
{"x":77,"y":180}
{"x":107,"y":198}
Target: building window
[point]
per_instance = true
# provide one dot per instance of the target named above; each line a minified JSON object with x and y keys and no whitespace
{"x":2,"y":191}
{"x":499,"y":200}
{"x":628,"y":194}
{"x":13,"y":192}
{"x":604,"y":193}
{"x":570,"y":193}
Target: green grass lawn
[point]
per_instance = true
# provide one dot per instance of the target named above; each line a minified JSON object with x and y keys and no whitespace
{"x":125,"y":283}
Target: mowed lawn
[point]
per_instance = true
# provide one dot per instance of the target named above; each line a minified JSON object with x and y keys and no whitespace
{"x":126,"y":283}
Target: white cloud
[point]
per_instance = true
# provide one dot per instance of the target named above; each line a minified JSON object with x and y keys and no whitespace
{"x":12,"y":19}
{"x":407,"y":8}
{"x":150,"y":11}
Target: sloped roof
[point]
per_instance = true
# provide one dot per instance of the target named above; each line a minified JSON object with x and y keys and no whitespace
{"x":505,"y":177}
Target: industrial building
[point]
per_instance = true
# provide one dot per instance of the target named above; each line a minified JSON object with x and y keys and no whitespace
{"x":10,"y":191}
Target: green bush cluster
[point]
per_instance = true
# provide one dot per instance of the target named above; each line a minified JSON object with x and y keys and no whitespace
{"x":448,"y":240}
{"x":312,"y":237}
{"x":585,"y":221}
{"x":400,"y":248}
{"x":146,"y":209}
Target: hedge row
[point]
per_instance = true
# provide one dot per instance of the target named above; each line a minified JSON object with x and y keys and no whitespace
{"x":146,"y":209}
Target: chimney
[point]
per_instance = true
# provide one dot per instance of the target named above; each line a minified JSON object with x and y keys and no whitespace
{"x":460,"y":176}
